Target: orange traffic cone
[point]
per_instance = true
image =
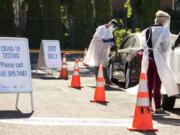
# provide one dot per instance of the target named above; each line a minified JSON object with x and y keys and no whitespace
{"x":64,"y":71}
{"x":75,"y":81}
{"x":142,"y":117}
{"x":99,"y":95}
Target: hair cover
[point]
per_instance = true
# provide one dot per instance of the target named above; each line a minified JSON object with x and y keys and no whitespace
{"x":162,"y":18}
{"x":115,"y":24}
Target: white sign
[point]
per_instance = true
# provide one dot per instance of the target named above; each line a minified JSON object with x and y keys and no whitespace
{"x":15,"y":71}
{"x":49,"y":56}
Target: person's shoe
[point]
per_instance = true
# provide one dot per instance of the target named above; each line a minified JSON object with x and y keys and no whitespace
{"x":85,"y":64}
{"x":151,"y":109}
{"x":160,"y":112}
{"x":108,"y":84}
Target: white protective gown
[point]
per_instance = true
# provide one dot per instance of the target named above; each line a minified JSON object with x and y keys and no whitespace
{"x":162,"y":51}
{"x":98,"y":51}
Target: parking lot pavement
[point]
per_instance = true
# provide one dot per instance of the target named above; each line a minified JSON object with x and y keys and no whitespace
{"x":61,"y":110}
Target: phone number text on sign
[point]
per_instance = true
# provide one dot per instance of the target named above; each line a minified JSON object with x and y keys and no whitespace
{"x":13,"y":73}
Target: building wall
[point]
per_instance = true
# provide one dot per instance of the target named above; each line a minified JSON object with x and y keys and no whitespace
{"x":117,"y":4}
{"x":165,"y":4}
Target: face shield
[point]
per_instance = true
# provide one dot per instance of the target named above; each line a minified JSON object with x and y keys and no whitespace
{"x":112,"y":28}
{"x":167,"y":23}
{"x":163,"y":19}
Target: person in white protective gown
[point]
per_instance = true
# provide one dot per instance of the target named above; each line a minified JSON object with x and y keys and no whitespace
{"x":99,"y":48}
{"x":155,"y":63}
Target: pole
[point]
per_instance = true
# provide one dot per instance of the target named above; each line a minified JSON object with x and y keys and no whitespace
{"x":32,"y":102}
{"x":133,"y":19}
{"x":17,"y":99}
{"x":173,"y":5}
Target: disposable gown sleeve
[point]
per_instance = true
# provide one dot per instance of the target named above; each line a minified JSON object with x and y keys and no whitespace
{"x":143,"y":42}
{"x":166,"y":47}
{"x":99,"y":32}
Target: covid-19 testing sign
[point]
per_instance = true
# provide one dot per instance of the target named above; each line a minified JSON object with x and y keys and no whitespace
{"x":15,"y":71}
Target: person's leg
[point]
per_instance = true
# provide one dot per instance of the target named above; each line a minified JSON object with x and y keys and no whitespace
{"x":106,"y":77}
{"x":96,"y":71}
{"x":157,"y":87}
{"x":150,"y":79}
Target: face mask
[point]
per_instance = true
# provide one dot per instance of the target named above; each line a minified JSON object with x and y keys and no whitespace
{"x":167,"y":24}
{"x":111,"y":28}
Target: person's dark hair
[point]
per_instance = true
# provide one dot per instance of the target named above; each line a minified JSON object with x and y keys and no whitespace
{"x":115,"y":24}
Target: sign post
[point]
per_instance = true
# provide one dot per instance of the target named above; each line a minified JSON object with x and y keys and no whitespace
{"x":15,"y":70}
{"x":49,"y":55}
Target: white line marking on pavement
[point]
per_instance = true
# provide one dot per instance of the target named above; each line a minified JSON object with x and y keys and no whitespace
{"x":132,"y":90}
{"x":53,"y":121}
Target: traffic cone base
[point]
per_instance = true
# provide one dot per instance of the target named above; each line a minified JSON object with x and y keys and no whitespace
{"x":99,"y":101}
{"x":142,"y":120}
{"x":63,"y":74}
{"x":99,"y":96}
{"x":143,"y":130}
{"x":75,"y":80}
{"x":75,"y":83}
{"x":76,"y":87}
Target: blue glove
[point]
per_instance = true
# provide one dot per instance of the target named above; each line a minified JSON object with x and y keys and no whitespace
{"x":108,"y":40}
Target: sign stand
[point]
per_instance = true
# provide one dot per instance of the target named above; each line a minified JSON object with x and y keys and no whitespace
{"x":46,"y":71}
{"x":17,"y":99}
{"x":49,"y":56}
{"x":15,"y":67}
{"x":32,"y":101}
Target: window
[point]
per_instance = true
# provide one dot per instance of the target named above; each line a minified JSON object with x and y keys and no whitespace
{"x":130,"y":42}
{"x":177,"y":42}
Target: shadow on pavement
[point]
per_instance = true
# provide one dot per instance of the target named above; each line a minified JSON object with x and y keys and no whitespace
{"x":109,"y":88}
{"x":86,"y":73}
{"x":48,"y":78}
{"x":175,"y":111}
{"x":43,"y":76}
{"x":105,"y":104}
{"x":148,"y":133}
{"x":14,"y":114}
{"x":166,"y":121}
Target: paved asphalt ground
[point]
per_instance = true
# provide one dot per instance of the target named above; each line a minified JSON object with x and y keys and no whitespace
{"x":61,"y":110}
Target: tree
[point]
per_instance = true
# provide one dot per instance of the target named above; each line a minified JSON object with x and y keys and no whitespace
{"x":67,"y":21}
{"x":7,"y":26}
{"x":51,"y":20}
{"x":145,"y":12}
{"x":89,"y":22}
{"x":128,"y":5}
{"x":34,"y":25}
{"x":82,"y":23}
{"x":175,"y":18}
{"x":103,"y":11}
